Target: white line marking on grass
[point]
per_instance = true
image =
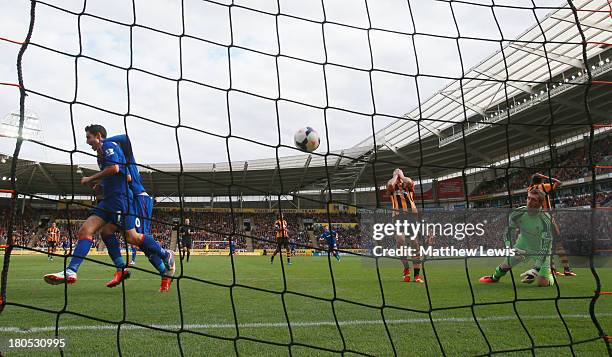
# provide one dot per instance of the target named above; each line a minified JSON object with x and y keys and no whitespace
{"x":294,"y":324}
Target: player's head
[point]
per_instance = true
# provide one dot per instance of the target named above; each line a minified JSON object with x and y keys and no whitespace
{"x":398,"y":172}
{"x":95,"y":133}
{"x":53,"y":224}
{"x":535,"y":198}
{"x":325,"y":228}
{"x":536,"y":179}
{"x":186,"y":221}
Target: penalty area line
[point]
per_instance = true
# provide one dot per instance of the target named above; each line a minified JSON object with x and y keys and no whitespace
{"x":23,"y":330}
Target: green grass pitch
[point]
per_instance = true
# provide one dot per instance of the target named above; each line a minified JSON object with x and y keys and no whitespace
{"x":207,"y":309}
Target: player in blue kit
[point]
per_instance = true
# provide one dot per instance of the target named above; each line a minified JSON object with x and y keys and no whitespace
{"x":65,"y":245}
{"x":330,"y":237}
{"x":114,"y":212}
{"x":232,"y":247}
{"x":134,"y":250}
{"x":143,"y":209}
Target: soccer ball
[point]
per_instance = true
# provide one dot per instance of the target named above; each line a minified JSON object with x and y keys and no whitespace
{"x":306,"y":139}
{"x":529,"y":276}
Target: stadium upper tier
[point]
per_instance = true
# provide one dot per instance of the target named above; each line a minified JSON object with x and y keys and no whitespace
{"x":546,"y":60}
{"x":529,"y":94}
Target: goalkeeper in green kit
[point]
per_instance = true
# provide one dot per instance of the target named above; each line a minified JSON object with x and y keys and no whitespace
{"x":534,"y":227}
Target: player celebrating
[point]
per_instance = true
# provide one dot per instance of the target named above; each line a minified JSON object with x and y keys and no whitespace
{"x":330,"y":237}
{"x":534,"y":240}
{"x":282,"y":238}
{"x":115,"y":208}
{"x":186,"y":239}
{"x":537,"y":182}
{"x":53,"y":235}
{"x":401,"y":191}
{"x":143,"y":207}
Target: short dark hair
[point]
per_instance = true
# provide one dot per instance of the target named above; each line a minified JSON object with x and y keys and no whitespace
{"x":536,"y":179}
{"x":95,"y":129}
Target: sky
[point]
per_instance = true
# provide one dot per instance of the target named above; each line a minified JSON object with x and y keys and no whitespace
{"x":277,"y":82}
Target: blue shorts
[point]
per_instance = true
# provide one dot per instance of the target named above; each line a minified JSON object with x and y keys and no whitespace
{"x":115,"y":210}
{"x":143,"y":207}
{"x":331,"y":242}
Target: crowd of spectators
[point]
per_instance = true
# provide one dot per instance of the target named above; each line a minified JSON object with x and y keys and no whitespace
{"x":603,"y":199}
{"x":212,"y":230}
{"x":571,"y":165}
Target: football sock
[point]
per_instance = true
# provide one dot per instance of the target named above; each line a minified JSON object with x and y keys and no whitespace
{"x":499,"y":272}
{"x":80,"y":252}
{"x":134,"y":254}
{"x":417,"y":271}
{"x":114,"y":251}
{"x":150,"y":247}
{"x":157,"y":263}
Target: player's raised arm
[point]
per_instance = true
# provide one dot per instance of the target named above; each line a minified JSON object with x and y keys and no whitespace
{"x":548,"y":183}
{"x":121,"y":139}
{"x":392,"y":183}
{"x":555,"y":182}
{"x":408,"y":182}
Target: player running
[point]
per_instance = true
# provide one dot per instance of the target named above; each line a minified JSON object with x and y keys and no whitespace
{"x":186,"y":240}
{"x":330,"y":236}
{"x":282,"y":238}
{"x":534,"y":242}
{"x":143,"y":209}
{"x":401,"y":191}
{"x":53,"y":237}
{"x":537,"y":182}
{"x":114,"y":212}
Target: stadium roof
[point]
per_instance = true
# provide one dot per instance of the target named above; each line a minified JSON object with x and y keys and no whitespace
{"x":522,"y":67}
{"x":515,"y":84}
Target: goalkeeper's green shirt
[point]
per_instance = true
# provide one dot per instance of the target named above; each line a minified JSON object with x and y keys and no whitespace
{"x":535,"y":235}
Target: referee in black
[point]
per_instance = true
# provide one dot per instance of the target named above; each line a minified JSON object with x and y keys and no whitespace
{"x":186,"y":239}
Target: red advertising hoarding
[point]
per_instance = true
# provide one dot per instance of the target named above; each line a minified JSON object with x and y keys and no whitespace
{"x":451,"y":188}
{"x":427,"y":192}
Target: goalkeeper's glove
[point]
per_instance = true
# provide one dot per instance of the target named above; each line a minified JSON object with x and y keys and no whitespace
{"x":529,"y":276}
{"x":546,"y":280}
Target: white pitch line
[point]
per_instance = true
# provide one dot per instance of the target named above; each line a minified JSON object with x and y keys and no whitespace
{"x":293,"y":324}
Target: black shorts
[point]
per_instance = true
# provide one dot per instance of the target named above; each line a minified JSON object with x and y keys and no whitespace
{"x":51,"y":244}
{"x":187,"y":243}
{"x":282,"y":242}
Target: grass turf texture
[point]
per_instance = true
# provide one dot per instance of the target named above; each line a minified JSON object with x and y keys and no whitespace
{"x":207,"y":309}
